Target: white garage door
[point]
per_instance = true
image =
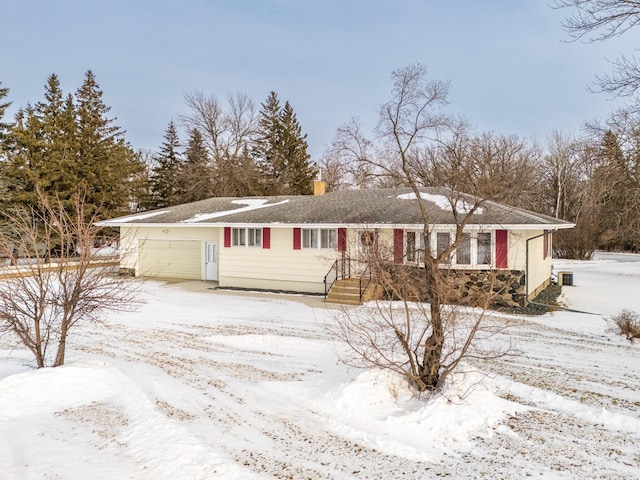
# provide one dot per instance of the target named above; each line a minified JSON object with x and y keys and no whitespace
{"x":169,"y":259}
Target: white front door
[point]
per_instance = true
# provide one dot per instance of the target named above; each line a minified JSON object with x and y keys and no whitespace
{"x":211,"y":261}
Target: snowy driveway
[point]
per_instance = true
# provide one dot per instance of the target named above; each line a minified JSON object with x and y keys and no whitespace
{"x":202,"y":385}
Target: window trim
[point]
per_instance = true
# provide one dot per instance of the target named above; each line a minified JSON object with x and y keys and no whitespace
{"x":245,"y":237}
{"x":307,"y":235}
{"x":453,"y":261}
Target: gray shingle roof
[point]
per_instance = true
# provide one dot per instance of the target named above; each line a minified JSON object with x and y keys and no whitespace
{"x":350,"y":207}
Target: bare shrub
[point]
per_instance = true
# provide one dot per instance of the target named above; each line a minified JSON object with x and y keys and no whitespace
{"x":627,"y":322}
{"x":56,"y":280}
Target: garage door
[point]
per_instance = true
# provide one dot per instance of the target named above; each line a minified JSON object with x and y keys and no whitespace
{"x":169,"y":258}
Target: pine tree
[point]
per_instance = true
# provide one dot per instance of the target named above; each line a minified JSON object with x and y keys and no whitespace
{"x":42,"y":151}
{"x":106,"y":162}
{"x":280,"y":150}
{"x":3,"y":108}
{"x":298,"y":173}
{"x":195,"y":178}
{"x":266,"y":148}
{"x":60,"y":147}
{"x":165,"y":176}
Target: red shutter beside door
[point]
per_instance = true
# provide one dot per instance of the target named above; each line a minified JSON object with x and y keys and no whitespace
{"x":296,"y":238}
{"x":398,"y":240}
{"x":227,"y":237}
{"x":266,"y":238}
{"x":342,"y":239}
{"x":502,"y":249}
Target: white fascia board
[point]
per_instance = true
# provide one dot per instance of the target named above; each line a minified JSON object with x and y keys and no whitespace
{"x":444,"y":226}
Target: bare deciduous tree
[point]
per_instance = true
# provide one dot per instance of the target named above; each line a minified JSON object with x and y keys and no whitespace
{"x":569,"y":190}
{"x":394,"y":335}
{"x":488,"y":165}
{"x":59,"y":281}
{"x":426,"y":335}
{"x":226,"y":133}
{"x":344,"y":163}
{"x":601,"y":20}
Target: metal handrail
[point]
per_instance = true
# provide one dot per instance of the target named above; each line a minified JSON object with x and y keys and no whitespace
{"x":340,"y":269}
{"x":365,"y":280}
{"x":333,"y":268}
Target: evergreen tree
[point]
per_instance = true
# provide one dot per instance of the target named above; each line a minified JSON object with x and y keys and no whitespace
{"x":297,"y":172}
{"x":3,"y":108}
{"x":165,"y":176}
{"x":106,"y":162}
{"x":42,"y":151}
{"x":280,"y":150}
{"x":266,"y":148}
{"x":195,"y":179}
{"x":61,"y":146}
{"x":618,"y":175}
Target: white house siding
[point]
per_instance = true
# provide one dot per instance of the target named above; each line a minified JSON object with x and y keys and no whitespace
{"x":279,"y":267}
{"x":128,"y":248}
{"x":158,"y":251}
{"x":539,"y":269}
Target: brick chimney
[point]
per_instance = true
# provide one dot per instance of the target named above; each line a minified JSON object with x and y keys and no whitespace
{"x":319,"y":188}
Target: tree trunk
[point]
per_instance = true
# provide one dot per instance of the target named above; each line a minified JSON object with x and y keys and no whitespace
{"x":430,"y":373}
{"x":62,"y":344}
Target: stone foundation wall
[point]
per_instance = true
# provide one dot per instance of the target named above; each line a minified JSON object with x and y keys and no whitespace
{"x":503,"y":288}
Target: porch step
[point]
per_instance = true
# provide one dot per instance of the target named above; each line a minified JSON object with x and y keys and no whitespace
{"x":345,"y":292}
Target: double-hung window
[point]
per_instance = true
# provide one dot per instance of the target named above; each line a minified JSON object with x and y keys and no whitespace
{"x":463,"y":250}
{"x":239,"y":237}
{"x":246,"y":237}
{"x":328,"y":238}
{"x":319,"y":238}
{"x":483,"y":249}
{"x":309,"y":238}
{"x":443,"y":240}
{"x":415,"y":246}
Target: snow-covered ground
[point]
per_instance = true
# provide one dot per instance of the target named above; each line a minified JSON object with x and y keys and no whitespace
{"x":206,"y":384}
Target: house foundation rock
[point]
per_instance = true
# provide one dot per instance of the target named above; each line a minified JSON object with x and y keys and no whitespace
{"x":503,"y":288}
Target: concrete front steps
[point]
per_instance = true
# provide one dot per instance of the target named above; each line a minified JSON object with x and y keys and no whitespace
{"x":345,"y":292}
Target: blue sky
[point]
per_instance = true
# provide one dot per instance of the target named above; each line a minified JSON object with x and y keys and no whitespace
{"x":509,"y":69}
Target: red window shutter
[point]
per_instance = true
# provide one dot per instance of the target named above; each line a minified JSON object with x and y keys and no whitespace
{"x":545,"y":245}
{"x":342,"y":239}
{"x":227,"y":237}
{"x":266,"y":238}
{"x":296,"y":238}
{"x":502,"y":249}
{"x":398,"y":239}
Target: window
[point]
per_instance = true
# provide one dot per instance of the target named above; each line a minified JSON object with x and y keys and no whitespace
{"x":367,"y":242}
{"x":246,"y":237}
{"x":411,"y":246}
{"x":483,"y":254}
{"x":463,"y":250}
{"x":254,"y":237}
{"x":415,"y":247}
{"x":309,"y":238}
{"x":328,"y":238}
{"x":443,"y":240}
{"x":319,"y":238}
{"x":239,"y":236}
